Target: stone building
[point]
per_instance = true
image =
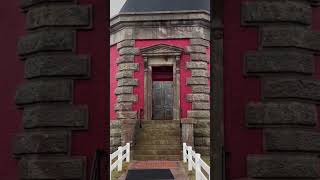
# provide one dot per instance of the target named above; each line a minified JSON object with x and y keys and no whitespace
{"x":159,"y":61}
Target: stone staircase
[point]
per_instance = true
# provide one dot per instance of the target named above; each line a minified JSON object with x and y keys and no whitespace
{"x":158,"y":140}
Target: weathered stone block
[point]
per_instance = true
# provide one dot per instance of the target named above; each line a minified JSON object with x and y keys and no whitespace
{"x":292,"y":88}
{"x":66,"y":116}
{"x":203,"y":124}
{"x":115,"y":132}
{"x":44,"y":91}
{"x":276,"y":12}
{"x":279,"y":62}
{"x":125,"y":59}
{"x":202,"y":132}
{"x":198,"y":97}
{"x":187,"y":134}
{"x":200,"y":73}
{"x":200,"y":42}
{"x":125,"y":44}
{"x":203,"y":150}
{"x":196,"y":49}
{"x":127,"y":82}
{"x":27,"y":3}
{"x":199,"y":57}
{"x":128,"y":51}
{"x":197,"y":65}
{"x":201,"y":89}
{"x":57,"y":65}
{"x":123,"y":107}
{"x":53,"y":168}
{"x":202,"y":141}
{"x":115,"y":124}
{"x":124,"y":90}
{"x":281,"y":114}
{"x":41,"y":142}
{"x":115,"y":141}
{"x":128,"y":67}
{"x":51,"y":40}
{"x":198,"y":81}
{"x":292,"y":140}
{"x":124,"y":74}
{"x":283,"y":166}
{"x":127,"y":115}
{"x":198,"y":114}
{"x":59,"y":15}
{"x":288,"y":37}
{"x":200,"y":106}
{"x":127,"y":98}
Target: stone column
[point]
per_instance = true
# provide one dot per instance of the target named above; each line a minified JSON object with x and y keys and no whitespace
{"x":187,"y":131}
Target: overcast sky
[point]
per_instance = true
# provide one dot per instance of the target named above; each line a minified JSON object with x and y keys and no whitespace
{"x":115,"y":6}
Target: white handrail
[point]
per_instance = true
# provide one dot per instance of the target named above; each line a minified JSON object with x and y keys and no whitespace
{"x":197,"y":164}
{"x":121,"y":157}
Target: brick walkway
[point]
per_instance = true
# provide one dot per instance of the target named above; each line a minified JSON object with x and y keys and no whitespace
{"x":176,"y":168}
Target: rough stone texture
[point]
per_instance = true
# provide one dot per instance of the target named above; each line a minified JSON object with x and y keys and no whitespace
{"x":280,"y":114}
{"x":279,"y":62}
{"x":125,"y":59}
{"x":200,"y":73}
{"x":202,"y":132}
{"x":201,"y":89}
{"x":124,"y":74}
{"x":53,"y":168}
{"x":298,"y":37}
{"x":203,"y":150}
{"x":115,"y":135}
{"x":197,"y":81}
{"x":292,"y":88}
{"x":44,"y":91}
{"x":199,"y":57}
{"x":124,"y":90}
{"x":187,"y":135}
{"x":196,"y":49}
{"x":57,"y":65}
{"x":277,"y":11}
{"x":127,"y":98}
{"x":27,"y":3}
{"x":61,"y":15}
{"x":127,"y":82}
{"x":198,"y":97}
{"x":197,"y":65}
{"x":128,"y":67}
{"x":282,"y":166}
{"x":50,"y":40}
{"x":125,"y":44}
{"x":66,"y":116}
{"x":198,"y":114}
{"x":128,"y":51}
{"x":200,"y":42}
{"x":123,"y":107}
{"x":115,"y":142}
{"x":292,"y":140}
{"x":41,"y":142}
{"x":203,"y":124}
{"x":200,"y":106}
{"x":127,"y":115}
{"x":201,"y":141}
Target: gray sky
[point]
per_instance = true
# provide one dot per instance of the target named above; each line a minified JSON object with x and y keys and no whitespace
{"x":115,"y":6}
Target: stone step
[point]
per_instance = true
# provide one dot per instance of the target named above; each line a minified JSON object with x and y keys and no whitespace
{"x":159,"y":147}
{"x":158,"y":134}
{"x":158,"y":152}
{"x":161,"y":126}
{"x":158,"y":142}
{"x":157,"y":157}
{"x":146,"y":137}
{"x":161,"y":122}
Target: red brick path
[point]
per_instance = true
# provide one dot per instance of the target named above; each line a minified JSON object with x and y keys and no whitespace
{"x":154,"y":165}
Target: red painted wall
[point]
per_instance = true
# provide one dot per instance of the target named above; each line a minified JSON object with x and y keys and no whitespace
{"x":238,"y":91}
{"x":11,"y":75}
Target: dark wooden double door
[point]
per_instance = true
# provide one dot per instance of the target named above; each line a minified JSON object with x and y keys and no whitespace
{"x":162,"y":100}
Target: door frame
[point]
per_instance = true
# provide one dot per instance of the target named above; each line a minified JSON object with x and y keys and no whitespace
{"x":155,"y":56}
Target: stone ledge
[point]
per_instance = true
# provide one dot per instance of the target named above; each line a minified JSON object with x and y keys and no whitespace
{"x":279,"y":62}
{"x":123,"y":106}
{"x":198,"y":98}
{"x":75,"y":16}
{"x":28,"y":3}
{"x":198,"y":81}
{"x":290,"y":37}
{"x":200,"y":42}
{"x":66,"y":116}
{"x":57,"y":66}
{"x":276,"y":12}
{"x":125,"y":44}
{"x":128,"y":51}
{"x":282,"y":166}
{"x":198,"y":114}
{"x":128,"y":67}
{"x":41,"y":142}
{"x":292,"y":88}
{"x":53,"y":168}
{"x":280,"y":114}
{"x":127,"y":98}
{"x":196,"y":49}
{"x":292,"y":140}
{"x":44,"y":91}
{"x":43,"y":41}
{"x":127,"y":82}
{"x":124,"y":90}
{"x":197,"y":65}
